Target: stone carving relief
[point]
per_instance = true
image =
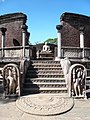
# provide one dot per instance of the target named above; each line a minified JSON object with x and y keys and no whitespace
{"x":11,"y":79}
{"x":78,"y":78}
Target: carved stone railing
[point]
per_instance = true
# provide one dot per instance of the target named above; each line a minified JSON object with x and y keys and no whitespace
{"x":75,"y":52}
{"x":16,"y":51}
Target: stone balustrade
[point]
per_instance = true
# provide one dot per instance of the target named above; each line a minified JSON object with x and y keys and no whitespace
{"x":70,"y":52}
{"x":75,"y":52}
{"x":16,"y":51}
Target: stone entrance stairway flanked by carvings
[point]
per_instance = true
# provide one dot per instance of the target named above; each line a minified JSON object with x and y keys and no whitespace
{"x":45,"y":76}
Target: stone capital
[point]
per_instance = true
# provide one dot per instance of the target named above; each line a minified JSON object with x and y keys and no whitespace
{"x":59,"y":28}
{"x":24,"y":28}
{"x":81,"y":29}
{"x":3,"y":30}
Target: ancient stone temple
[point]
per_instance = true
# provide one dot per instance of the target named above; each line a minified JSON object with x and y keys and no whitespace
{"x":45,"y":68}
{"x":55,"y":75}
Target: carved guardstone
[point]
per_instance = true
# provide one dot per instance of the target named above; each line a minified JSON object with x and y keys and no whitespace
{"x":11,"y":79}
{"x":77,"y":81}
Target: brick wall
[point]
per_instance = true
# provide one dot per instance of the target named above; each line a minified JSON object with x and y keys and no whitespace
{"x":70,"y":31}
{"x":13,"y":23}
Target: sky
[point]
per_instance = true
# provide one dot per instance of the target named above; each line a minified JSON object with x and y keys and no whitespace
{"x":44,"y":15}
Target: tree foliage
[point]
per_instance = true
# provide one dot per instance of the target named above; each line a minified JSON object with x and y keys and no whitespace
{"x":52,"y":41}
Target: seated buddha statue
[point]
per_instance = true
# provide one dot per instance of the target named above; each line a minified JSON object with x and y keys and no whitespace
{"x":46,"y":48}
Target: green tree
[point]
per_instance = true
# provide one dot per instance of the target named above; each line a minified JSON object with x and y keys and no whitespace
{"x":52,"y":41}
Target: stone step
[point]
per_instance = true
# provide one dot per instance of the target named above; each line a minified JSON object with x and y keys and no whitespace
{"x":45,"y":68}
{"x":45,"y":65}
{"x":49,"y":85}
{"x":45,"y":75}
{"x":88,"y":72}
{"x":45,"y":80}
{"x":46,"y":58}
{"x":45,"y":61}
{"x":88,"y":81}
{"x":45,"y":72}
{"x":44,"y":90}
{"x":59,"y":89}
{"x":88,"y":78}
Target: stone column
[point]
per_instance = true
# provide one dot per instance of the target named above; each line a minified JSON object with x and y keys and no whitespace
{"x":24,"y":29}
{"x":82,"y":40}
{"x":59,"y":28}
{"x":3,"y":30}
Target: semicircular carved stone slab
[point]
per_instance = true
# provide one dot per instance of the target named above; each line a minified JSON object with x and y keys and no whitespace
{"x":45,"y":105}
{"x":11,"y":80}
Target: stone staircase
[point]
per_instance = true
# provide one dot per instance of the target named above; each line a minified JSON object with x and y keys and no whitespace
{"x":44,"y":76}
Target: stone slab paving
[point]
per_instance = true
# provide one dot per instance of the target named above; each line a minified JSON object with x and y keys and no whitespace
{"x":9,"y":111}
{"x":80,"y":111}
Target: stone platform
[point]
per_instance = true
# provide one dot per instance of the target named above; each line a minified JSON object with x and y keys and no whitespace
{"x":80,"y":111}
{"x":45,"y":105}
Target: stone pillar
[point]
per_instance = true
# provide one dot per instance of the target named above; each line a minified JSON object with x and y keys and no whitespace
{"x":3,"y":30}
{"x":24,"y":29}
{"x":82,"y":40}
{"x":59,"y":28}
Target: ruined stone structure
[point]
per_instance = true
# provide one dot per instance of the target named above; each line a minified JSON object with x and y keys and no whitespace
{"x":14,"y":24}
{"x":29,"y":69}
{"x":14,"y":38}
{"x":72,"y":24}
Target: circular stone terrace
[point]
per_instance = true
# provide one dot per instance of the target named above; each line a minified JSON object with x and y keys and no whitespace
{"x":45,"y":105}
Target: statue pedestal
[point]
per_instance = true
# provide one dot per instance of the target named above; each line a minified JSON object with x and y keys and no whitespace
{"x":45,"y":55}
